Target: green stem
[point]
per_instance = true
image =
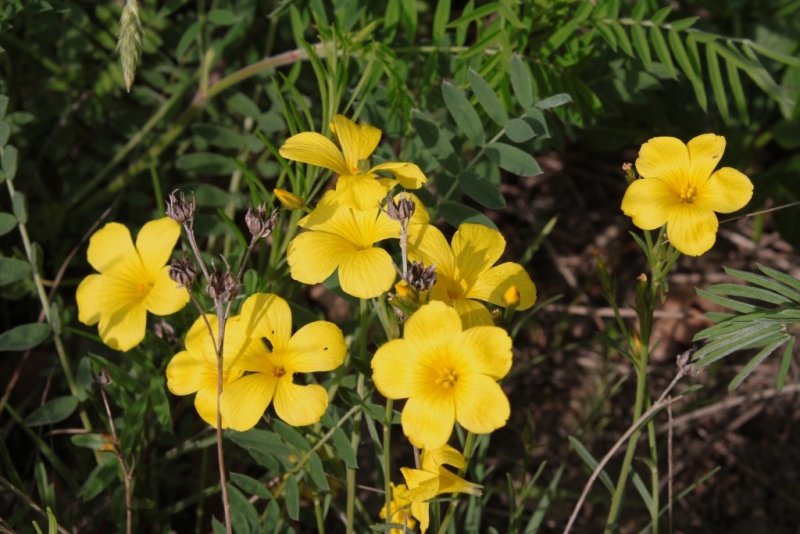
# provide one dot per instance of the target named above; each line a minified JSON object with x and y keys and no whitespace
{"x":351,"y":471}
{"x":469,"y":445}
{"x":651,"y":436}
{"x":318,"y":513}
{"x":387,"y":459}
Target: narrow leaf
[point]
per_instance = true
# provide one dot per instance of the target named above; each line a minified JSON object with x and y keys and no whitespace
{"x":487,"y":98}
{"x":513,"y":159}
{"x":317,"y":472}
{"x":481,"y":190}
{"x":456,"y":214}
{"x":590,"y":461}
{"x":738,"y":91}
{"x":292,"y":497}
{"x":519,"y":131}
{"x":463,"y":113}
{"x":662,"y":51}
{"x":786,"y":361}
{"x":622,"y":37}
{"x":440,"y":18}
{"x":24,"y":337}
{"x":436,"y":142}
{"x":521,"y":82}
{"x":715,"y":75}
{"x":641,"y":46}
{"x":342,"y":444}
{"x":554,"y":101}
{"x":752,"y":364}
{"x":53,"y":411}
{"x":251,"y":485}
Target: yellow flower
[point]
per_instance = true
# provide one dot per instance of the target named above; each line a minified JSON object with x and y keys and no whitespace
{"x":289,"y":200}
{"x":433,"y":479}
{"x":132,"y":281}
{"x":318,"y":346}
{"x":358,"y":186}
{"x":194,"y":370}
{"x":446,"y":374}
{"x":679,"y":188}
{"x":464,"y":272}
{"x":342,"y":237}
{"x":401,"y":509}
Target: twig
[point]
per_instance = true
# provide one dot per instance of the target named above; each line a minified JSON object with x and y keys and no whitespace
{"x":600,"y":466}
{"x":669,"y":462}
{"x":29,"y":502}
{"x":748,"y":215}
{"x":609,"y":312}
{"x":127,"y":472}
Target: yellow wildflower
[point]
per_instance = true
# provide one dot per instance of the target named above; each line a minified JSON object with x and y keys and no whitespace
{"x":433,"y":479}
{"x":358,"y":186}
{"x":680,"y":188}
{"x":465,"y":273}
{"x":342,"y":237}
{"x":446,"y":374}
{"x":194,"y":370}
{"x":401,"y":509}
{"x":132,"y":281}
{"x":318,"y":346}
{"x":289,"y":200}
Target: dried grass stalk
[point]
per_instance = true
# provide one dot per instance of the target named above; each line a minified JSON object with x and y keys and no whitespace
{"x":129,"y":41}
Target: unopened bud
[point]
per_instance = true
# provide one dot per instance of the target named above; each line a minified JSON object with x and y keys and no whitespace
{"x":289,"y":200}
{"x":511,"y":297}
{"x":179,"y":209}
{"x":402,"y":209}
{"x":182,"y":272}
{"x":402,"y":290}
{"x":259,"y":224}
{"x":420,"y":277}
{"x":103,"y":377}
{"x":630,"y":173}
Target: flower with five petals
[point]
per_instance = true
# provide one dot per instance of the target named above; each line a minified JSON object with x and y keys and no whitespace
{"x":318,"y":346}
{"x":447,"y":374}
{"x":358,"y":186}
{"x":680,"y":188}
{"x":132,"y":281}
{"x":465,"y":271}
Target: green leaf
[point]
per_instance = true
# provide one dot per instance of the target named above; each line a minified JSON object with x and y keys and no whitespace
{"x":7,"y":223}
{"x":3,"y":105}
{"x":639,"y":11}
{"x":662,"y":51}
{"x":590,"y":461}
{"x":683,"y":24}
{"x":481,"y":190}
{"x":53,"y":411}
{"x":554,"y":101}
{"x":779,"y":276}
{"x":9,"y":161}
{"x":440,"y":18}
{"x":746,"y":338}
{"x":222,"y":17}
{"x":738,"y":91}
{"x":343,"y":447}
{"x":187,"y":39}
{"x":641,"y":46}
{"x":622,"y":37}
{"x":521,"y":82}
{"x":513,"y":159}
{"x":752,"y":364}
{"x":792,"y":61}
{"x":483,"y":11}
{"x":487,"y":98}
{"x":244,"y":517}
{"x":519,"y":131}
{"x":607,"y":33}
{"x":715,"y":75}
{"x":661,"y":15}
{"x":765,"y":282}
{"x":19,"y":204}
{"x":292,"y":436}
{"x":436,"y":142}
{"x":463,"y":113}
{"x":251,"y":485}
{"x":560,"y":37}
{"x":206,"y":163}
{"x":535,"y":118}
{"x":100,"y":477}
{"x":292,"y":497}
{"x":387,"y":526}
{"x":5,"y":133}
{"x":222,"y":137}
{"x":786,"y":361}
{"x":24,"y":337}
{"x":736,"y":290}
{"x":89,"y":441}
{"x":317,"y":472}
{"x":681,"y":57}
{"x":728,"y":303}
{"x":12,"y":269}
{"x":158,"y":397}
{"x":456,"y":214}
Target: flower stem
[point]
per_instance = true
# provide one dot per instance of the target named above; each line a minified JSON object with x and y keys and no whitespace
{"x":351,"y":471}
{"x":226,"y":506}
{"x":469,"y":445}
{"x":318,"y":513}
{"x":387,"y":459}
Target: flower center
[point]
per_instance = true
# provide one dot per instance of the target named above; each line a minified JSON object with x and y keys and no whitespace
{"x":278,"y":372}
{"x":688,"y":194}
{"x":144,"y":287}
{"x":447,"y":378}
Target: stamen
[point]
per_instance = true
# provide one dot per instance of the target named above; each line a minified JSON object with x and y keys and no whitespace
{"x":688,"y":194}
{"x":447,"y":378}
{"x":278,"y":372}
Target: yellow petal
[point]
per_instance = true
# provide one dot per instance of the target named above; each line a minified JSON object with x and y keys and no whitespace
{"x":89,"y":298}
{"x":392,"y":369}
{"x":246,"y":400}
{"x":111,"y":251}
{"x":476,"y":248}
{"x":666,"y":158}
{"x":155,"y":242}
{"x":198,"y":342}
{"x":316,"y":149}
{"x":205,"y":402}
{"x":322,"y":214}
{"x":428,"y":419}
{"x":427,"y":244}
{"x":492,"y":285}
{"x":367,"y":273}
{"x":165,"y":298}
{"x":269,"y":316}
{"x":313,"y":256}
{"x":649,"y":202}
{"x":421,"y":512}
{"x":318,"y":346}
{"x":123,"y":328}
{"x":358,"y":142}
{"x":705,"y":152}
{"x":409,"y":175}
{"x":692,"y":229}
{"x":481,"y":405}
{"x":422,"y":484}
{"x":361,"y":191}
{"x":489,"y":347}
{"x":726,"y":191}
{"x":186,"y":374}
{"x":432,"y":459}
{"x":430,"y":324}
{"x":472,"y":313}
{"x":381,"y":227}
{"x":300,"y":405}
{"x":452,"y":483}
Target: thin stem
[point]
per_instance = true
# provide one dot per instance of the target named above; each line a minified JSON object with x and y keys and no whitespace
{"x":351,"y":471}
{"x":387,"y":459}
{"x":127,"y":473}
{"x":669,"y":462}
{"x":469,"y":445}
{"x":318,"y":513}
{"x":220,"y":450}
{"x":628,"y":434}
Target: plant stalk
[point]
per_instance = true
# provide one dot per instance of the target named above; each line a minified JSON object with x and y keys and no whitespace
{"x":469,"y":445}
{"x":387,"y":459}
{"x":351,"y":471}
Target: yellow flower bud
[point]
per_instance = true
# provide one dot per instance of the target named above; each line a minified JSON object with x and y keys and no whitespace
{"x":403,"y":290}
{"x":511,"y":297}
{"x":289,"y":200}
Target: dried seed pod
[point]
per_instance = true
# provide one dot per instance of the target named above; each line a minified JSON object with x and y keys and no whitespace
{"x":183,"y":272}
{"x":402,"y":210}
{"x":259,"y":224}
{"x":179,"y":209}
{"x":215,"y":287}
{"x":420,"y":277}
